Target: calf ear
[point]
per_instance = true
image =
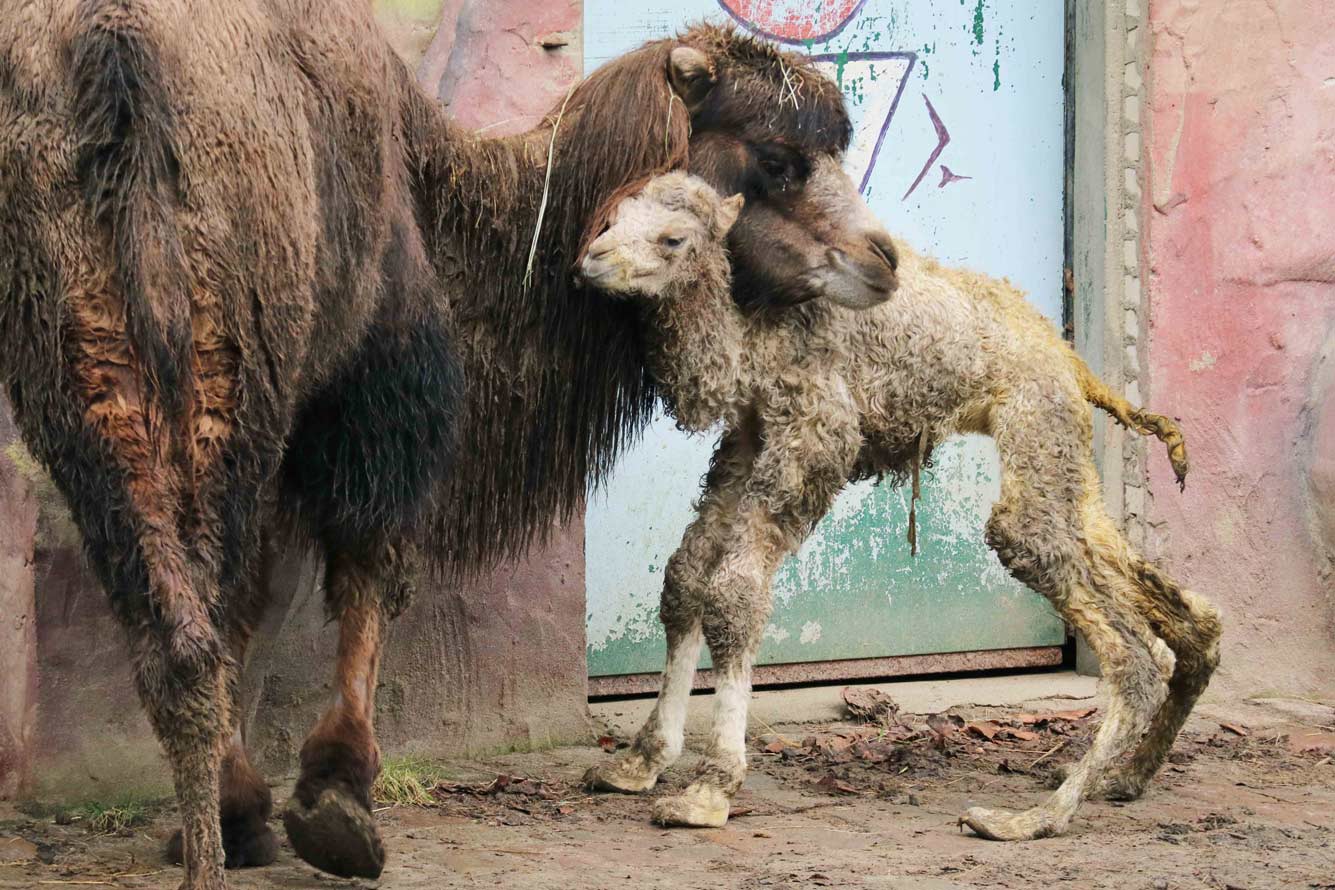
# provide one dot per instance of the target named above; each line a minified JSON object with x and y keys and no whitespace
{"x":691,"y":74}
{"x":728,"y":212}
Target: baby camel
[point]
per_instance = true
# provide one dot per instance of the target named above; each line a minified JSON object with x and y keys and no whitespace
{"x":813,"y":397}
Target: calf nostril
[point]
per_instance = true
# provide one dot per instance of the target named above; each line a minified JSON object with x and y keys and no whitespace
{"x":884,"y":248}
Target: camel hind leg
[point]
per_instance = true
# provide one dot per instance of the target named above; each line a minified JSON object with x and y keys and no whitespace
{"x":245,"y":801}
{"x":1044,"y":531}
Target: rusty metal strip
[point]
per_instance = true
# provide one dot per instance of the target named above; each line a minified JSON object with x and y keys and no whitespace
{"x":850,"y":669}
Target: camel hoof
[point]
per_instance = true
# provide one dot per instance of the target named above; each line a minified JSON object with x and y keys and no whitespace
{"x":696,"y":807}
{"x":621,"y":776}
{"x":243,"y":848}
{"x":337,"y":835}
{"x":999,"y":825}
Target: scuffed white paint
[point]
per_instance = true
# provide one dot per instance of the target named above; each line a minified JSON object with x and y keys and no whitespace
{"x":810,"y":633}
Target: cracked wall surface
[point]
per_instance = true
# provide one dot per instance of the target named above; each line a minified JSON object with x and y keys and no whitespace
{"x":1238,"y":251}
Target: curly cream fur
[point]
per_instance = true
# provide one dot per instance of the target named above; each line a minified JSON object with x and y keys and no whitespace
{"x":817,"y":396}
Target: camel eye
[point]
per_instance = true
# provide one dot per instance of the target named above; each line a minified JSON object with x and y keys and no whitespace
{"x":774,"y":167}
{"x":672,"y":242}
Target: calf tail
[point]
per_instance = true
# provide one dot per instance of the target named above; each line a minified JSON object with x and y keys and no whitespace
{"x":1135,"y":419}
{"x":129,"y":172}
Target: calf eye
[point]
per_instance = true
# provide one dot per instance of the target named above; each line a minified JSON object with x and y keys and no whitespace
{"x":774,"y":167}
{"x":671,"y":241}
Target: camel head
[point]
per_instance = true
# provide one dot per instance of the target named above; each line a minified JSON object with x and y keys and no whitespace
{"x":663,"y":238}
{"x":766,"y":124}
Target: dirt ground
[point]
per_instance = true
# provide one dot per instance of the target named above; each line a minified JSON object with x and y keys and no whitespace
{"x":833,"y":805}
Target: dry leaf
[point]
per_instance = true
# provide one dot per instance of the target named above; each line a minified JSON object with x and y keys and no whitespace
{"x":1051,"y":716}
{"x":830,"y":782}
{"x":986,"y":729}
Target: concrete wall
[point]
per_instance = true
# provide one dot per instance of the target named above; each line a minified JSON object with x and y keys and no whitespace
{"x":18,"y":627}
{"x":498,"y":665}
{"x":1238,"y":219}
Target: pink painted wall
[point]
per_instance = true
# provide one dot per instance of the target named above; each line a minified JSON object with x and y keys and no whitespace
{"x":1239,"y":219}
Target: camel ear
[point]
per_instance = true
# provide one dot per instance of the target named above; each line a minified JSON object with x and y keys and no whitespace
{"x":691,"y":74}
{"x":728,"y":211}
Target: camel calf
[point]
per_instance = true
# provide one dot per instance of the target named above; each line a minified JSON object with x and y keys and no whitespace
{"x":818,"y":395}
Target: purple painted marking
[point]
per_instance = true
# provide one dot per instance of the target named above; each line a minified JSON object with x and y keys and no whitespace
{"x":942,"y":140}
{"x":792,"y":41}
{"x":948,"y":176}
{"x":836,"y":58}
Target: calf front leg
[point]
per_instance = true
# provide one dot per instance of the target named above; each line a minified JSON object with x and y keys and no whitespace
{"x":736,"y":608}
{"x":659,"y":742}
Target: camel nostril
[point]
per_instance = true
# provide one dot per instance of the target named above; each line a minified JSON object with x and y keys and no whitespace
{"x":883,"y":247}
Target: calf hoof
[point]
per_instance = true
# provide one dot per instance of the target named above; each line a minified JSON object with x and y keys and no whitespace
{"x":699,"y":806}
{"x":337,"y":835}
{"x":243,"y":847}
{"x":999,"y":825}
{"x":627,"y":775}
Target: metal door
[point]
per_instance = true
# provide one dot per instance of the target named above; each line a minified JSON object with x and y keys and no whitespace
{"x":958,"y":117}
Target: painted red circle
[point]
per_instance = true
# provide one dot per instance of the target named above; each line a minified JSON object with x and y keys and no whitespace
{"x":794,"y":20}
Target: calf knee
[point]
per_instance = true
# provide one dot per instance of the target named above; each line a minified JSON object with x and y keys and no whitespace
{"x":1030,"y":550}
{"x":684,"y":582}
{"x":733,"y":625}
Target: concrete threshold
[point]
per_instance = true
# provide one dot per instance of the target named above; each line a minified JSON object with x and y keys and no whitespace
{"x":824,"y":704}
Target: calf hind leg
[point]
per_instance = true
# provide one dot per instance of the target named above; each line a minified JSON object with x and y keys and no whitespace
{"x":1038,"y":540}
{"x":1191,"y":628}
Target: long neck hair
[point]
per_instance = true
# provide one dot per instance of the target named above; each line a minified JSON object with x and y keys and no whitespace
{"x":555,"y":377}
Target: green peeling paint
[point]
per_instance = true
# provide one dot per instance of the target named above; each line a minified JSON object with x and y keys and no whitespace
{"x":978,"y":23}
{"x":996,"y":74}
{"x":859,"y":594}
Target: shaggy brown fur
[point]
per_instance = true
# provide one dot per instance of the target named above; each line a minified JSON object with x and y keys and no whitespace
{"x":814,"y":398}
{"x":245,"y":268}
